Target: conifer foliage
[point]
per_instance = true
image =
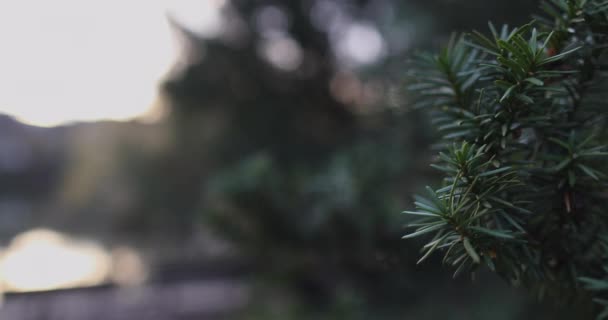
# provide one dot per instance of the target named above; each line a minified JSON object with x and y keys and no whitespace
{"x":522,"y":115}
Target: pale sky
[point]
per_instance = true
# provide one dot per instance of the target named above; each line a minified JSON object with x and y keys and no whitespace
{"x":84,"y":60}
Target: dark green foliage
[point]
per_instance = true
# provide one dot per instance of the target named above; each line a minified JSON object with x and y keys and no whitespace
{"x":521,"y":112}
{"x":322,"y":224}
{"x":305,"y":187}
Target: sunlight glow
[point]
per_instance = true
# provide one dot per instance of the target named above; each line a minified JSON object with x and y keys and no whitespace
{"x":85,"y":60}
{"x":43,"y":259}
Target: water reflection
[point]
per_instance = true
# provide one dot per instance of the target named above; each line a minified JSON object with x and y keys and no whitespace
{"x":43,"y":259}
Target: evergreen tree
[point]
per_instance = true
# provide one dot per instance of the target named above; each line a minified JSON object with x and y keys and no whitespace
{"x":523,"y":147}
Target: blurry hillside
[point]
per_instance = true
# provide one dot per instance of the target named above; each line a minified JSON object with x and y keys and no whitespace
{"x":31,"y":162}
{"x":50,"y":174}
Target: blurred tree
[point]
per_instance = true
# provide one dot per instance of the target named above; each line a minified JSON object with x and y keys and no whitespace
{"x":284,"y":167}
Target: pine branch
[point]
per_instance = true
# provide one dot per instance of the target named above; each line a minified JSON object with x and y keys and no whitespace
{"x":524,"y":191}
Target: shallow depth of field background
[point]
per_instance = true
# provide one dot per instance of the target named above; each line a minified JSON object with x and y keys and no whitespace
{"x":225,"y":159}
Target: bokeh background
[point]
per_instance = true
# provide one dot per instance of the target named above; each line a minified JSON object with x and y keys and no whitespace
{"x":226,"y":159}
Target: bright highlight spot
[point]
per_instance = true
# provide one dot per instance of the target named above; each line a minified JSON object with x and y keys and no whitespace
{"x":282,"y":52}
{"x":360,"y":44}
{"x":73,"y":60}
{"x":45,"y":260}
{"x":41,"y":259}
